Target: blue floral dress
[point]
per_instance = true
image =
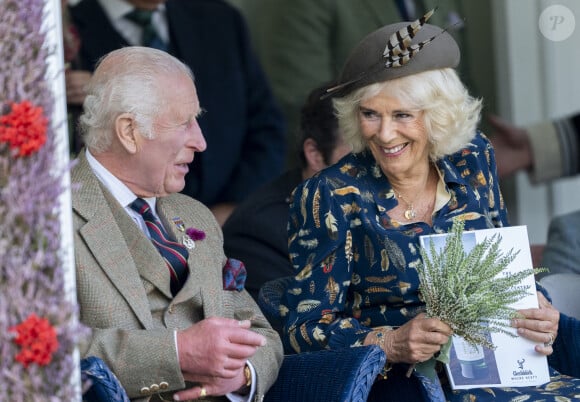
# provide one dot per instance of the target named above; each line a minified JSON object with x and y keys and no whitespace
{"x":357,"y":266}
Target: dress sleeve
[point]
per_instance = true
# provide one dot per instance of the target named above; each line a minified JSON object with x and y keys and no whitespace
{"x":320,"y":247}
{"x":498,"y":211}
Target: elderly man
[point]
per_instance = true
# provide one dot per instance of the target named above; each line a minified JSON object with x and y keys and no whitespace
{"x":244,"y":128}
{"x":149,"y":260}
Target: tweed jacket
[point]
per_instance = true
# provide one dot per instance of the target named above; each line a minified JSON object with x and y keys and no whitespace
{"x":243,"y":127}
{"x":124,"y":295}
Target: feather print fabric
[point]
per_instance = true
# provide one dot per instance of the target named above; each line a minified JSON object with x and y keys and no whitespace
{"x":355,"y":261}
{"x":356,"y":268}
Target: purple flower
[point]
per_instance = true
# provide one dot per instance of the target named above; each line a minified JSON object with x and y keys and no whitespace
{"x":195,"y":234}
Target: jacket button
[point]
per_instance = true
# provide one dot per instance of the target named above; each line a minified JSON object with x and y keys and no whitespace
{"x":170,"y":309}
{"x":154,"y":387}
{"x":163,"y":385}
{"x":145,"y":391}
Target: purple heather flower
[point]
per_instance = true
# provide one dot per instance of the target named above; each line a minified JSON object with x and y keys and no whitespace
{"x":195,"y":234}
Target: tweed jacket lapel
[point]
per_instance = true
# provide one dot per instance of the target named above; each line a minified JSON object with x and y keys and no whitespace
{"x":198,"y":281}
{"x":104,"y":238}
{"x":148,"y":260}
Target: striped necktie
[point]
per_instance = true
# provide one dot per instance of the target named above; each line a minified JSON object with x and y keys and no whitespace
{"x":174,"y":254}
{"x":149,"y":36}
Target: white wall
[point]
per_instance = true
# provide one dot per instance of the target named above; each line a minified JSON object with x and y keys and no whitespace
{"x":537,"y":79}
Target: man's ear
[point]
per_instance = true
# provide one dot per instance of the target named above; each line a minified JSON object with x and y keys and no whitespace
{"x":314,"y":158}
{"x":126,"y":131}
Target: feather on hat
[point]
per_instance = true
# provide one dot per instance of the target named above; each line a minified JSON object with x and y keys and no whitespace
{"x":373,"y":61}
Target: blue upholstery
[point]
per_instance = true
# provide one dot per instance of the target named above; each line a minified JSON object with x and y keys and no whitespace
{"x":328,"y":375}
{"x":104,"y":386}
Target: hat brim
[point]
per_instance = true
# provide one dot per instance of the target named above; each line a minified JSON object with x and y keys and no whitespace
{"x":366,"y":64}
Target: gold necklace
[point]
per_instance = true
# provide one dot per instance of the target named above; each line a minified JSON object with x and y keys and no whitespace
{"x":409,"y":213}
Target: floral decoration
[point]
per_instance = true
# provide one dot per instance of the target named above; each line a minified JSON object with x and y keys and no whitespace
{"x":24,"y":128}
{"x":37,"y":340}
{"x":195,"y":234}
{"x":39,"y":328}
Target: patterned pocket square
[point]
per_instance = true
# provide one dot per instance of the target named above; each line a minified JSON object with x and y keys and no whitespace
{"x":234,"y":275}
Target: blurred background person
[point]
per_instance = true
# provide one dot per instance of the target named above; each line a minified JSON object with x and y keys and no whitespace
{"x":546,"y":151}
{"x":256,"y":232}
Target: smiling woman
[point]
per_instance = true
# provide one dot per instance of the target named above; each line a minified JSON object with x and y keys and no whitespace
{"x":408,"y":123}
{"x":419,"y":164}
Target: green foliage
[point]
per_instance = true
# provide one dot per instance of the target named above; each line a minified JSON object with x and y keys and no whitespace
{"x":467,"y":291}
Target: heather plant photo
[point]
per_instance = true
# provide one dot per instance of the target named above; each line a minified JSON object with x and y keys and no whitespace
{"x":39,"y":330}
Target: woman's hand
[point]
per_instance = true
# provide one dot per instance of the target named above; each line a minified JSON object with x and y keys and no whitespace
{"x":416,"y":341}
{"x":539,"y":325}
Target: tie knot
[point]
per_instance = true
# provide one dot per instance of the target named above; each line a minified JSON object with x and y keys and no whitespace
{"x":140,"y":206}
{"x":140,"y":16}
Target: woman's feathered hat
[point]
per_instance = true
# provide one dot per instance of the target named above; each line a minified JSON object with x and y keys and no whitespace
{"x":395,"y":51}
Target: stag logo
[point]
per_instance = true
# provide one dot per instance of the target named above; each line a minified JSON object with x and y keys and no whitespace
{"x":521,"y":364}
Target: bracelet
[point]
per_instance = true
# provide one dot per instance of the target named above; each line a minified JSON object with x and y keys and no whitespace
{"x":380,"y":341}
{"x":386,"y":368}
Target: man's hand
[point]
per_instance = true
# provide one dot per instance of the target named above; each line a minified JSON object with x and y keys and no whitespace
{"x":222,"y":211}
{"x":76,"y":84}
{"x":513,"y":151}
{"x":214,"y":352}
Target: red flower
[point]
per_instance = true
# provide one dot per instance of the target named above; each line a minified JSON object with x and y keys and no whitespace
{"x":37,"y":339}
{"x":24,"y":128}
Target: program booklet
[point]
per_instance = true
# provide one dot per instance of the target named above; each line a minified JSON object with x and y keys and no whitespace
{"x":514,"y":362}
